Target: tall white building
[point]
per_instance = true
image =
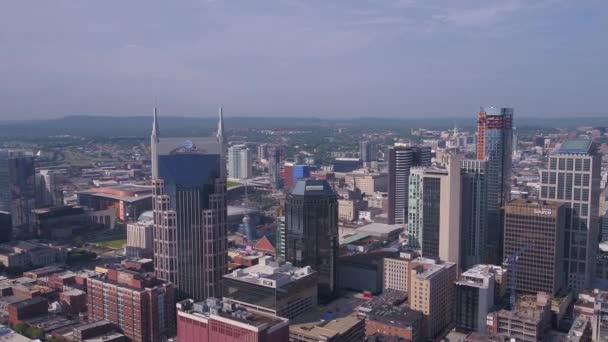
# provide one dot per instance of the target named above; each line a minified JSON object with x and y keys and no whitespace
{"x":573,"y":177}
{"x":239,"y":162}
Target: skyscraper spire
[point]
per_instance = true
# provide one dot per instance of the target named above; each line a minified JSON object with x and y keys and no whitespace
{"x":220,"y":126}
{"x":155,"y":126}
{"x":153,"y":142}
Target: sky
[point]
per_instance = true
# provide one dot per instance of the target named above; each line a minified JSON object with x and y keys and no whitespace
{"x":322,"y":58}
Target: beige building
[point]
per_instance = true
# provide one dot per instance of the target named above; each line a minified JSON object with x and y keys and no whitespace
{"x":368,"y":183}
{"x":139,"y":235}
{"x":432,"y":292}
{"x":529,"y":321}
{"x":434,"y":210}
{"x":397,"y":271}
{"x":348,"y":210}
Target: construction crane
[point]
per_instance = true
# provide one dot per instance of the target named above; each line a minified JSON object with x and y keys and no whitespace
{"x":512,"y":260}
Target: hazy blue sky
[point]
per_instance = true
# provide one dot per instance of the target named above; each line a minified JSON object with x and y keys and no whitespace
{"x":298,"y":57}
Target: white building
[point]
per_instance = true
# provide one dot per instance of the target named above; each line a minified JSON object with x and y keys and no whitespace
{"x":239,"y":162}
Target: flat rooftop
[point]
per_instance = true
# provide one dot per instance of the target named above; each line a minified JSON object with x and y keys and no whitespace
{"x":577,"y":146}
{"x":376,"y":228}
{"x":270,"y":273}
{"x":215,"y":307}
{"x":398,"y":316}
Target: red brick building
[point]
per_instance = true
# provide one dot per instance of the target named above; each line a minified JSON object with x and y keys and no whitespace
{"x":27,"y":308}
{"x":216,"y":321}
{"x":139,"y":303}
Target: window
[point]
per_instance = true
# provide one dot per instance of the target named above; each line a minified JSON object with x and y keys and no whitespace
{"x":587,"y":165}
{"x":562,"y":164}
{"x":578,"y":165}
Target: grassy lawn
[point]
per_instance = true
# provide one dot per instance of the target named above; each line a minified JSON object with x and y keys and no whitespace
{"x":113,"y":243}
{"x":230,"y":184}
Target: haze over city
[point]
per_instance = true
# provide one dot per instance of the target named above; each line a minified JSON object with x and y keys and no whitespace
{"x":398,"y":58}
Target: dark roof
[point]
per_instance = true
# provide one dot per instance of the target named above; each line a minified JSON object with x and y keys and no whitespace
{"x":312,"y":187}
{"x":399,"y":316}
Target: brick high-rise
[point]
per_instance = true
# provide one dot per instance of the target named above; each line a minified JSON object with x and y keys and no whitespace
{"x":140,"y":304}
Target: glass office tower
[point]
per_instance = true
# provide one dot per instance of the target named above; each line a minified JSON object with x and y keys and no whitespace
{"x":311,"y":225}
{"x":190,"y":241}
{"x":495,"y":144}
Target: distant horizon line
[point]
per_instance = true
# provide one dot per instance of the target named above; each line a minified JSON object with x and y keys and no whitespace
{"x":303,"y":116}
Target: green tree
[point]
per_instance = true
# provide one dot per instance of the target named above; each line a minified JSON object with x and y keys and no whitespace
{"x":20,"y":328}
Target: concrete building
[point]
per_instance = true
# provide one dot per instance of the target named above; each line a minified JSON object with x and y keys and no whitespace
{"x":276,"y":288}
{"x":30,"y":253}
{"x":400,"y":160}
{"x":600,"y":317}
{"x":495,"y":145}
{"x":140,"y":304}
{"x":474,"y":213}
{"x":213,"y":320}
{"x":18,"y":189}
{"x":537,"y":228}
{"x":434,"y":211}
{"x":529,"y":321}
{"x":573,"y":177}
{"x":140,"y":239}
{"x":190,"y":215}
{"x":397,"y":322}
{"x":397,"y":271}
{"x":432,"y":290}
{"x":348,"y":210}
{"x":128,"y":200}
{"x":363,"y":271}
{"x":475,"y":293}
{"x":239,"y":162}
{"x":368,"y":152}
{"x":49,"y":188}
{"x":311,"y":225}
{"x":368,"y":183}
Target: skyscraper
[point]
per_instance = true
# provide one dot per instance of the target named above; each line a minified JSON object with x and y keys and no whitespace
{"x":276,"y":157}
{"x":573,"y":177}
{"x":473,"y":213}
{"x":434,"y":210}
{"x":49,"y":188}
{"x":189,"y":203}
{"x":239,"y":162}
{"x":400,"y":160}
{"x":311,"y":230}
{"x":18,"y":189}
{"x":495,"y":144}
{"x":536,"y":229}
{"x":368,"y":151}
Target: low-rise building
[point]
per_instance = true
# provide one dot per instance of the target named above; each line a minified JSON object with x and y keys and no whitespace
{"x":277,"y":288}
{"x":30,"y":253}
{"x":214,"y":320}
{"x":396,"y":321}
{"x":528,"y":321}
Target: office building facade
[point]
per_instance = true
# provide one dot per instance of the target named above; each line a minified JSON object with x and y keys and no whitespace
{"x":189,"y":202}
{"x":434,"y":211}
{"x":473,"y":212}
{"x":311,"y":225}
{"x":18,"y":190}
{"x":368,"y":151}
{"x":49,"y":188}
{"x":475,"y":293}
{"x":142,"y":306}
{"x":400,"y":160}
{"x":217,"y":321}
{"x":239,"y":162}
{"x":495,"y":144}
{"x":535,"y":230}
{"x":573,"y":177}
{"x":277,"y":288}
